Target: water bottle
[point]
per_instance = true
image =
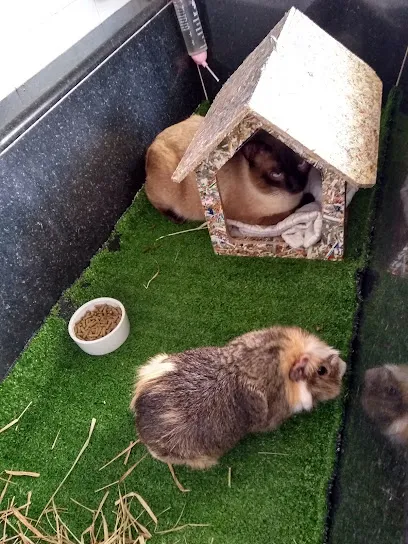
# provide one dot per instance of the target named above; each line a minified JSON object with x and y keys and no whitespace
{"x":190,"y":25}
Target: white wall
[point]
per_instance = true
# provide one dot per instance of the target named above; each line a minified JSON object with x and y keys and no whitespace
{"x":33,"y":33}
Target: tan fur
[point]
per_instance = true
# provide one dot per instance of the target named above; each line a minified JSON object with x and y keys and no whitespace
{"x":301,"y":397}
{"x":302,"y":343}
{"x":171,"y":416}
{"x":243,"y":193}
{"x":197,"y":463}
{"x":151,"y":371}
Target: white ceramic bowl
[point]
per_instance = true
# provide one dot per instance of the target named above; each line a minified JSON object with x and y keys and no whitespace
{"x":111,"y":341}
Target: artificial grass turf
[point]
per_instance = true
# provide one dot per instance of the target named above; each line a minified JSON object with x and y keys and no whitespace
{"x":197,"y":299}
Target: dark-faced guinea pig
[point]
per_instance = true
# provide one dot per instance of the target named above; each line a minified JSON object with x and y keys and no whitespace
{"x":385,"y":400}
{"x":192,"y":407}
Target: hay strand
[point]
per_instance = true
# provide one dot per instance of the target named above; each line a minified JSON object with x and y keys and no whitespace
{"x":175,"y":479}
{"x":82,"y":505}
{"x":6,"y":480}
{"x":181,"y":528}
{"x":99,"y":509}
{"x":106,"y":486}
{"x":63,"y":525}
{"x":131,"y":469}
{"x":18,"y":528}
{"x":143,"y":503}
{"x":123,"y":452}
{"x":86,"y":444}
{"x":229,"y":476}
{"x":4,"y":491}
{"x":105,"y":527}
{"x":55,"y":440}
{"x":22,"y":473}
{"x":29,"y":494}
{"x":200,"y":227}
{"x":146,"y":285}
{"x":16,"y":420}
{"x":125,"y":462}
{"x":22,"y":519}
{"x":123,"y":477}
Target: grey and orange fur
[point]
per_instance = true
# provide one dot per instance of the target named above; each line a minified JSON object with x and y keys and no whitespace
{"x":192,"y":407}
{"x":385,"y":400}
{"x":261,"y":184}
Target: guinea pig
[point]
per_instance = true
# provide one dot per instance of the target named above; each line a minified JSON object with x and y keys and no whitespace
{"x":280,"y":167}
{"x":385,"y":400}
{"x":261,"y":184}
{"x":192,"y":407}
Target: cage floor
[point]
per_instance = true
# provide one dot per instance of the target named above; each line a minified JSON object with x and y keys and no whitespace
{"x":271,"y":488}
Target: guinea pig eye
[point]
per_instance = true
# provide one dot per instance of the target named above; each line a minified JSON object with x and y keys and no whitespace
{"x":322,"y":370}
{"x":277,"y":176}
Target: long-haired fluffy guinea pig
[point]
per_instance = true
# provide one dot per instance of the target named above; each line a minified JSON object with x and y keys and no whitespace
{"x":192,"y":407}
{"x":385,"y":400}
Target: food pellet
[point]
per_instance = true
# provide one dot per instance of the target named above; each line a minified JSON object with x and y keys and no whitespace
{"x":98,"y":323}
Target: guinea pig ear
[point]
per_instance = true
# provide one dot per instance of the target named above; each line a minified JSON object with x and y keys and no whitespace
{"x":303,"y":167}
{"x":250,"y":149}
{"x":298,"y":372}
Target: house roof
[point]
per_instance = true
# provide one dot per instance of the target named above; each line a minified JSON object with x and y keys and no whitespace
{"x":308,"y":90}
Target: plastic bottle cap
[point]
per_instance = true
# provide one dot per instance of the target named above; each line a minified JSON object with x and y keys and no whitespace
{"x":200,"y":58}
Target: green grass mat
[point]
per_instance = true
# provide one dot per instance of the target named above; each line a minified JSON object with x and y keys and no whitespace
{"x":196,"y":299}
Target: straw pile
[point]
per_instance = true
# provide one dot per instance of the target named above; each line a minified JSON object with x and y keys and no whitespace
{"x":18,"y":527}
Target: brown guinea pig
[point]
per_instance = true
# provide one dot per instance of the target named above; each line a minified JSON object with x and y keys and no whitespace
{"x":385,"y":400}
{"x":261,"y":184}
{"x":192,"y":407}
